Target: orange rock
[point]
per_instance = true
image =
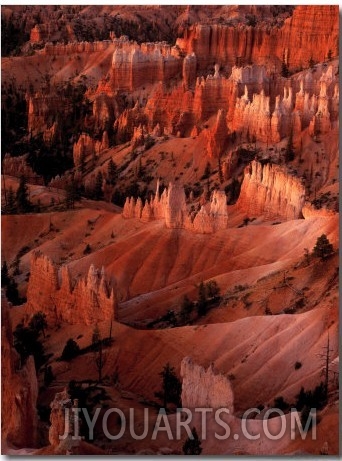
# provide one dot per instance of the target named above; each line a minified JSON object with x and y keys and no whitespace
{"x":19,"y":390}
{"x":50,"y":290}
{"x":271,"y":192}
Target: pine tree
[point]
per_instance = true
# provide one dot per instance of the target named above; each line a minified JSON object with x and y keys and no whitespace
{"x":96,"y":335}
{"x":72,"y":194}
{"x":290,"y":153}
{"x":172,"y":386}
{"x":22,"y":196}
{"x":98,"y":192}
{"x":284,"y":70}
{"x":82,"y":162}
{"x":4,"y":274}
{"x":202,"y":300}
{"x":12,"y":293}
{"x":48,"y":376}
{"x":11,"y":205}
{"x":212,"y":289}
{"x":323,"y":247}
{"x":71,"y":350}
{"x":192,"y":445}
{"x":38,"y":322}
{"x":111,"y":172}
{"x":186,"y":309}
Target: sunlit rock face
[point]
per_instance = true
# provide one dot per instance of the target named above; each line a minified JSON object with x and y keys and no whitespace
{"x":203,"y":388}
{"x":52,"y":291}
{"x":267,"y":190}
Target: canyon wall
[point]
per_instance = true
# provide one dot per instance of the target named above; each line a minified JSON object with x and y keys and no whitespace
{"x":86,"y":147}
{"x":250,"y":103}
{"x":42,"y":110}
{"x":61,"y":49}
{"x":19,"y":391}
{"x":176,"y":89}
{"x":204,"y":388}
{"x":87,"y":300}
{"x":18,"y":166}
{"x":172,"y":207}
{"x":309,"y":211}
{"x":308,"y":34}
{"x":269,"y":191}
{"x":136,"y":65}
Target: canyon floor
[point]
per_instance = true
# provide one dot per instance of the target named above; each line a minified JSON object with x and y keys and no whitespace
{"x":170,"y":185}
{"x":154,"y":267}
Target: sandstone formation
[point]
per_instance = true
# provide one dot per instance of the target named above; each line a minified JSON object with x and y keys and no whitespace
{"x":250,"y":102}
{"x":18,"y":166}
{"x":156,"y":87}
{"x":217,"y":136}
{"x":62,"y":420}
{"x":136,"y":65}
{"x":86,"y":147}
{"x":75,"y":47}
{"x":309,"y":211}
{"x":172,"y":207}
{"x":42,"y":108}
{"x":204,"y":388}
{"x":88,"y":300}
{"x":268,"y":190}
{"x":19,"y":390}
{"x":308,"y":34}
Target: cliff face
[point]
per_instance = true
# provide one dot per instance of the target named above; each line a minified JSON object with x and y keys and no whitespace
{"x":19,"y":391}
{"x":176,"y":89}
{"x":86,"y":147}
{"x":136,"y":65}
{"x":269,"y":191}
{"x":309,"y":33}
{"x":172,"y":207}
{"x":205,"y":388}
{"x":251,"y":103}
{"x":309,"y":211}
{"x":88,"y":300}
{"x":18,"y":166}
{"x":41,"y":109}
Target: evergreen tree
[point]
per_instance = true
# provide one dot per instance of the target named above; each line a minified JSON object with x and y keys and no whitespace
{"x":38,"y":322}
{"x":4,"y":274}
{"x":172,"y":387}
{"x":284,"y":70}
{"x":72,"y":194}
{"x":186,"y":309}
{"x":202,"y":300}
{"x":192,"y":445}
{"x":22,"y":196}
{"x":323,"y":247}
{"x":82,"y":162}
{"x":111,"y":172}
{"x":71,"y":350}
{"x":289,"y":152}
{"x":12,"y":293}
{"x":212,"y":289}
{"x":48,"y":376}
{"x":26,"y":343}
{"x":98,"y":192}
{"x":207,"y":171}
{"x":96,"y":335}
{"x":11,"y":205}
